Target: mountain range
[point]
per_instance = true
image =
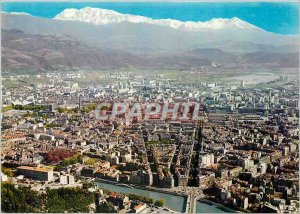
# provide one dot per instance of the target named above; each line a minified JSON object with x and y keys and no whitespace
{"x":98,"y":16}
{"x":98,"y":38}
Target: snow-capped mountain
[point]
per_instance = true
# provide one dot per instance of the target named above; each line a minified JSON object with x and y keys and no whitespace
{"x":104,"y":38}
{"x":99,"y":16}
{"x":137,"y":34}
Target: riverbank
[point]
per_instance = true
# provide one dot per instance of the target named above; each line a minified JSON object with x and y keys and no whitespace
{"x":173,"y":202}
{"x":141,"y":187}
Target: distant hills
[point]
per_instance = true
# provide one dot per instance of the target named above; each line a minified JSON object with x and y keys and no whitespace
{"x":96,"y":38}
{"x":48,"y":52}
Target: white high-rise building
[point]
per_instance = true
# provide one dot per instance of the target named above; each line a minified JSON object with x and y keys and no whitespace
{"x":243,"y":83}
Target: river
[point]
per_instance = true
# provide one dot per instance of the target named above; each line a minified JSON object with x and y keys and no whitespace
{"x":206,"y":208}
{"x":173,"y":202}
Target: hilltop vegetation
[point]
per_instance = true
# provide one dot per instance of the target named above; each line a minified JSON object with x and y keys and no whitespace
{"x":25,"y":200}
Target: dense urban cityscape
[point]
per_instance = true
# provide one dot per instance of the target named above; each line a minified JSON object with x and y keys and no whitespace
{"x":243,"y":154}
{"x":149,"y":106}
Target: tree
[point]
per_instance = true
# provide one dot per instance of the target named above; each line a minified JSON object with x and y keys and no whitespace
{"x":44,"y":116}
{"x":61,"y":109}
{"x":159,"y":202}
{"x":92,"y":106}
{"x":20,"y":199}
{"x":91,"y":161}
{"x":68,"y":199}
{"x":7,"y":171}
{"x":25,"y":200}
{"x":59,"y":155}
{"x":105,"y":208}
{"x":6,"y":108}
{"x":87,"y":185}
{"x":75,"y":110}
{"x":84,"y":110}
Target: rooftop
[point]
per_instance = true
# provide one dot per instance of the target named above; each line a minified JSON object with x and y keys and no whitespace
{"x":38,"y":169}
